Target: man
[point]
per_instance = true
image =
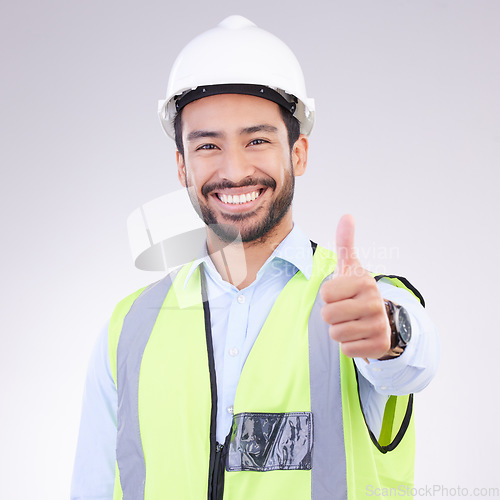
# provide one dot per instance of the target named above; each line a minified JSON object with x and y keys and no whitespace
{"x":250,"y":373}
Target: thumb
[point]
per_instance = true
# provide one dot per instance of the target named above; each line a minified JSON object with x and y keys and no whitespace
{"x":347,"y":261}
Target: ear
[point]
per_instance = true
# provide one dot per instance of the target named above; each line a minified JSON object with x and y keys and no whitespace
{"x":181,"y":168}
{"x":299,"y":155}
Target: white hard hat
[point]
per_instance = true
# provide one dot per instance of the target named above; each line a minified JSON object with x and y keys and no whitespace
{"x":237,"y":57}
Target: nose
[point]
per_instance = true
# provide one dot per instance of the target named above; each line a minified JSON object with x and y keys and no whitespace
{"x":235,"y":165}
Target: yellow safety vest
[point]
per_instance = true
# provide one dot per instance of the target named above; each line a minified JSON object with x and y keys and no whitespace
{"x":298,"y":426}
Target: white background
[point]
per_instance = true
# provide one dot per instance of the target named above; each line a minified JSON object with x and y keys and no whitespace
{"x":407,"y":139}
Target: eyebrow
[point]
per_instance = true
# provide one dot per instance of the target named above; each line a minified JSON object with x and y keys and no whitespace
{"x":199,"y":134}
{"x":259,"y":128}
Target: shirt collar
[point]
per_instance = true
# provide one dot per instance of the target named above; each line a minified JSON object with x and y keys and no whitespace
{"x":295,"y":249}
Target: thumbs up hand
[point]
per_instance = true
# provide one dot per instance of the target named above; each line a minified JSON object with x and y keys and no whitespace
{"x":354,"y":308}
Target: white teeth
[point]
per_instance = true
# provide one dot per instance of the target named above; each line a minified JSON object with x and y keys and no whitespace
{"x":239,"y":199}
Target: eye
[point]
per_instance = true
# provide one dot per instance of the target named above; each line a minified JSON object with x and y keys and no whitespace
{"x":256,"y":142}
{"x":206,"y":147}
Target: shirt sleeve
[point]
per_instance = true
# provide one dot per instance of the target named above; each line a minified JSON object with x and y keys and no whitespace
{"x":94,"y":466}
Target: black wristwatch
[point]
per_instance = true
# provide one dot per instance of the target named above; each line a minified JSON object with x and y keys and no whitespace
{"x":400,"y":323}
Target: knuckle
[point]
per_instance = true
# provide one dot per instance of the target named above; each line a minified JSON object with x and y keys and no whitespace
{"x":381,"y":325}
{"x":382,"y":344}
{"x":373,"y":293}
{"x":347,"y":349}
{"x":367,"y":281}
{"x":373,"y":307}
{"x":323,"y":291}
{"x":326,"y":291}
{"x":336,"y":332}
{"x":326,"y":313}
{"x":332,"y":331}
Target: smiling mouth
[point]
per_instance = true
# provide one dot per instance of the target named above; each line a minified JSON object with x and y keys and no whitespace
{"x":239,"y":199}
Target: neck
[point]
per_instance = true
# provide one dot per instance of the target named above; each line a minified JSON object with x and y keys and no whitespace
{"x":238,"y":263}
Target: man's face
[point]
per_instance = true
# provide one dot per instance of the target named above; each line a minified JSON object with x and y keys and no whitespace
{"x":238,"y":165}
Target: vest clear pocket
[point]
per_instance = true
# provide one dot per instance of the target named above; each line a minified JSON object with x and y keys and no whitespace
{"x":270,"y":441}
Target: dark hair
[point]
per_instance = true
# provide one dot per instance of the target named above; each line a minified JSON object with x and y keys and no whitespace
{"x":291,"y":123}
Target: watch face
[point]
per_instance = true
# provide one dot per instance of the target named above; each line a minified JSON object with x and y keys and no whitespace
{"x":404,"y":325}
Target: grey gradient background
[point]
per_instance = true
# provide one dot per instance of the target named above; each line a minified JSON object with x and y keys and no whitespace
{"x":406,"y":138}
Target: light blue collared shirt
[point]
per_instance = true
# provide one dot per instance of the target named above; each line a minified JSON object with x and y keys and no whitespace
{"x":237,"y":317}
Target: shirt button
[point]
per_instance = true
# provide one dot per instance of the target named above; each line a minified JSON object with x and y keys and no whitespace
{"x":233,"y":351}
{"x":383,"y":388}
{"x":241,"y":299}
{"x":230,"y":409}
{"x":375,"y":369}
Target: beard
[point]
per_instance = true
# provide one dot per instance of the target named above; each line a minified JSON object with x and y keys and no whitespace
{"x":256,"y":228}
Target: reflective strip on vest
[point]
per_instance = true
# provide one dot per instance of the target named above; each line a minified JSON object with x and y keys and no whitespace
{"x":327,"y":481}
{"x":136,"y":330}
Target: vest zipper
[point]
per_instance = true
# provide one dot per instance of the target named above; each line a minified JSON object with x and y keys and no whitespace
{"x":221,"y":451}
{"x":216,"y":482}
